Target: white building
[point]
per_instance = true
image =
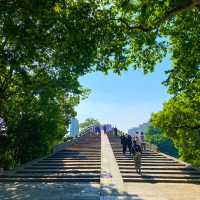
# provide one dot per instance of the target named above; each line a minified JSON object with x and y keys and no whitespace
{"x":74,"y":127}
{"x":140,"y":128}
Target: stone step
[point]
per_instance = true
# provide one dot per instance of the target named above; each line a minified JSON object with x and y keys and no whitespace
{"x":164,"y":176}
{"x":53,"y":176}
{"x":155,"y":167}
{"x":66,"y":164}
{"x":148,"y":161}
{"x":49,"y":179}
{"x":78,"y":153}
{"x":120,"y":151}
{"x":143,"y":156}
{"x":78,"y":163}
{"x":158,"y":168}
{"x":71,"y":150}
{"x":131,"y":157}
{"x":125,"y":172}
{"x":83,"y":175}
{"x":67,"y":167}
{"x":76,"y":158}
{"x":66,"y":173}
{"x":85,"y":146}
{"x":48,"y":171}
{"x":152,"y":164}
{"x":69,"y":161}
{"x":161,"y":180}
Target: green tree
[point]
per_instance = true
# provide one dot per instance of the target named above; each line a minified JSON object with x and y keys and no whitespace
{"x":164,"y":144}
{"x":35,"y":118}
{"x":180,"y":120}
{"x":45,"y":46}
{"x":88,"y":122}
{"x":171,"y":27}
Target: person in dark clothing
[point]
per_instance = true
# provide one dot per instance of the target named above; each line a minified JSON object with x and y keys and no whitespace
{"x":143,"y":144}
{"x":122,"y":138}
{"x":115,"y":131}
{"x":137,"y":156}
{"x":96,"y":129}
{"x":129,"y":143}
{"x":104,"y":129}
{"x":124,"y":143}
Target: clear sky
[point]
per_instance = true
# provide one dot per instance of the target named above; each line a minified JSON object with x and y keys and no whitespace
{"x":125,"y":101}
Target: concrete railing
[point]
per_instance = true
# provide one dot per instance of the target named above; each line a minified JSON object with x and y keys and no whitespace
{"x":71,"y":142}
{"x":151,"y":147}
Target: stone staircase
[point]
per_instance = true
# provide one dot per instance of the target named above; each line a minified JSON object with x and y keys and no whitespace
{"x":156,"y":167}
{"x":80,"y":162}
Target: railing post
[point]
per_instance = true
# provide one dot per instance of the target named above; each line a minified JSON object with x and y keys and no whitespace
{"x":1,"y":170}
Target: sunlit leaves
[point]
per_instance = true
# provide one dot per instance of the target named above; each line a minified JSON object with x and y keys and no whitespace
{"x":45,"y":46}
{"x":180,"y":120}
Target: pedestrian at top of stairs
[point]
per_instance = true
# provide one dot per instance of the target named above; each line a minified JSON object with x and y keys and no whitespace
{"x":129,"y":143}
{"x":143,"y":143}
{"x":115,"y":131}
{"x":124,"y":142}
{"x":122,"y":137}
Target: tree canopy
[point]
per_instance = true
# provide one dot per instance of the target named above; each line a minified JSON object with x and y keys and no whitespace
{"x":180,"y":120}
{"x":45,"y":46}
{"x":88,"y":122}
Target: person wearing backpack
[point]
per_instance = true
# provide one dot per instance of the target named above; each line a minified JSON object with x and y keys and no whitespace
{"x":137,"y":152}
{"x":129,"y":143}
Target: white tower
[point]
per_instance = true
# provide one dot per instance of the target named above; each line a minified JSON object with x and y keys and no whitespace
{"x":74,"y":127}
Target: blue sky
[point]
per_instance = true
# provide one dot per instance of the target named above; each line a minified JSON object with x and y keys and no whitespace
{"x":125,"y":101}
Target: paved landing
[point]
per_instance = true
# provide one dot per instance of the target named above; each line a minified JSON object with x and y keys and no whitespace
{"x":164,"y":191}
{"x":49,"y":191}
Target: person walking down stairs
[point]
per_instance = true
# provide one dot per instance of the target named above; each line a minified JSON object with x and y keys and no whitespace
{"x":129,"y":143}
{"x":137,"y":152}
{"x":143,"y":143}
{"x":123,"y":143}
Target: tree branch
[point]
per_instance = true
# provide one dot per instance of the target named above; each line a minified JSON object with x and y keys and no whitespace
{"x":139,"y":27}
{"x":178,"y":9}
{"x":172,"y":12}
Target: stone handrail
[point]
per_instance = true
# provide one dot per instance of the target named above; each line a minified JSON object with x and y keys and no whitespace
{"x":151,"y":147}
{"x":70,"y":142}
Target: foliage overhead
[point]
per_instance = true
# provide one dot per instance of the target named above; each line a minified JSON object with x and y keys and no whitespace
{"x":45,"y":46}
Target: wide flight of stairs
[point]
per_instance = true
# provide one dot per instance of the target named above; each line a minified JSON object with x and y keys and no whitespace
{"x":79,"y":163}
{"x":156,"y":167}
